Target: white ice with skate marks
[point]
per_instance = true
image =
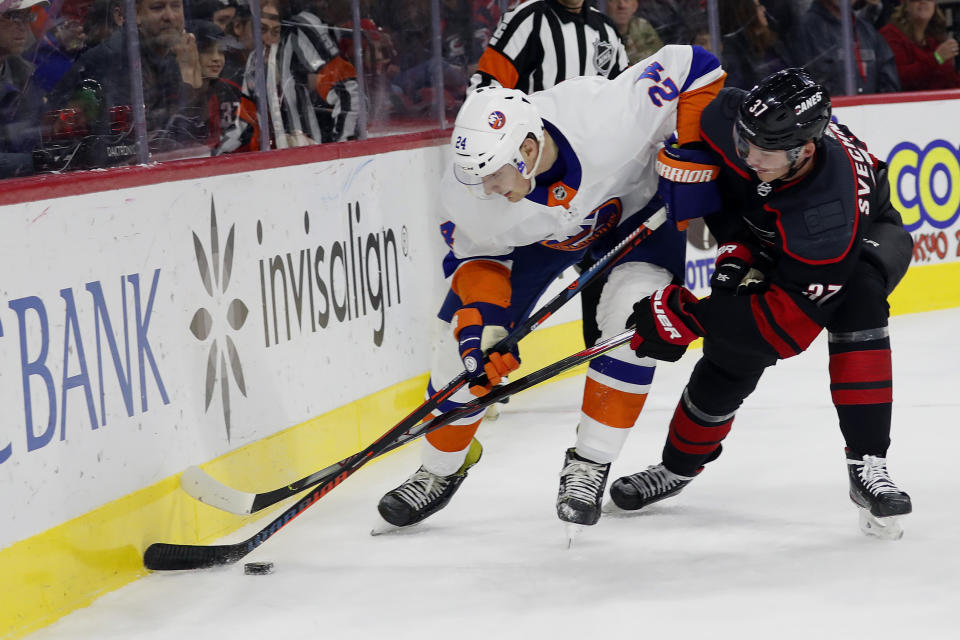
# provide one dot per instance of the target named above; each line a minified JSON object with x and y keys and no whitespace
{"x":764,"y":544}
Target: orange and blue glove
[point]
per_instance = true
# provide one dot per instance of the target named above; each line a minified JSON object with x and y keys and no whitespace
{"x":478,"y":327}
{"x":688,"y":183}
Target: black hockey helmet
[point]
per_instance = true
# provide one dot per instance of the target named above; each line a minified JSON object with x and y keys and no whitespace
{"x":786,"y":110}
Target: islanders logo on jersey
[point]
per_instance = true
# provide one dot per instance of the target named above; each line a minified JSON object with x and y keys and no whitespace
{"x":600,"y":222}
{"x":496,"y":120}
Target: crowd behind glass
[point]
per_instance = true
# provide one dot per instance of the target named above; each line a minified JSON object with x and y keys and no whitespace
{"x":99,"y":83}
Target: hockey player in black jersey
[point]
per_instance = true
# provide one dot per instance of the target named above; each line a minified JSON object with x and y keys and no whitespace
{"x":808,"y":240}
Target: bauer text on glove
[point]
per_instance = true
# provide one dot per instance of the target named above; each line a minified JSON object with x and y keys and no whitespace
{"x":664,"y":324}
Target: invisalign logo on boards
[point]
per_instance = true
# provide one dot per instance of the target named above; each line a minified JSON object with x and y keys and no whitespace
{"x":351,"y":279}
{"x":215,"y":270}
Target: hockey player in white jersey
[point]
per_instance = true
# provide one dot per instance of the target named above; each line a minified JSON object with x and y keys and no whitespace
{"x":537,"y":181}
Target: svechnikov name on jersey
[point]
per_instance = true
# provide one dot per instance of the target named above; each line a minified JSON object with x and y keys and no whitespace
{"x":861,"y":165}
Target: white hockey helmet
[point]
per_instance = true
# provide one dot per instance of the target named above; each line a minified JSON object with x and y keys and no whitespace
{"x":490,"y":127}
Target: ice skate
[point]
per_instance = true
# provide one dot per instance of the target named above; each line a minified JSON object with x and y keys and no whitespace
{"x":653,"y":484}
{"x":381,"y":527}
{"x":572,"y":531}
{"x":581,"y":489}
{"x":880,"y":501}
{"x":424,"y":493}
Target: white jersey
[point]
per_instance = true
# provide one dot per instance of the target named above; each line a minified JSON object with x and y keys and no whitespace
{"x":607,"y":133}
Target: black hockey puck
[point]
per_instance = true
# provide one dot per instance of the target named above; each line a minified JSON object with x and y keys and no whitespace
{"x":258,"y":568}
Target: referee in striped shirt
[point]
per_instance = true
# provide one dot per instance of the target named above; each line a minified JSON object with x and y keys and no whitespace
{"x":542,"y":43}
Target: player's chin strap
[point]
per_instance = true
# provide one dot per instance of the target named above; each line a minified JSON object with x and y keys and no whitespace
{"x":794,"y":155}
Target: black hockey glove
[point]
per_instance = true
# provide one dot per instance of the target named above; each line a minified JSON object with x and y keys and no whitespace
{"x":664,"y":324}
{"x":739,"y":270}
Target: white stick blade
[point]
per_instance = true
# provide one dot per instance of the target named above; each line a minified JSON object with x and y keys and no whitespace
{"x":201,"y":486}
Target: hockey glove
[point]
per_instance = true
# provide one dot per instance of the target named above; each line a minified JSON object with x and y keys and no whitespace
{"x":739,"y":270}
{"x":688,"y":183}
{"x":478,"y":327}
{"x":664,"y":324}
{"x":733,"y":262}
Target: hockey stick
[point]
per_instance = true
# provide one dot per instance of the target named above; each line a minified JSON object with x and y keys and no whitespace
{"x":162,"y":556}
{"x":200,"y":485}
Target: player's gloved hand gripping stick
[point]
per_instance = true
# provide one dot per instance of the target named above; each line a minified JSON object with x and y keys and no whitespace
{"x":479,"y":327}
{"x":665,"y":324}
{"x":162,"y":556}
{"x":201,"y":486}
{"x":740,"y":270}
{"x":688,"y":182}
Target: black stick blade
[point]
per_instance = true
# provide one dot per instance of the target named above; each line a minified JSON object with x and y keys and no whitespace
{"x":162,"y":556}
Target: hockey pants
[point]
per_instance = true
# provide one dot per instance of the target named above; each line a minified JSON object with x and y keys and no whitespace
{"x":860,"y":381}
{"x":617,"y":382}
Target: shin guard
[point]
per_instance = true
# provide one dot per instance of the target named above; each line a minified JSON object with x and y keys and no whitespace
{"x":861,"y":385}
{"x":694,"y":437}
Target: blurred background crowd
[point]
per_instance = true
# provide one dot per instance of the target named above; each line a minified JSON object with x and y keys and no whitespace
{"x":99,"y":83}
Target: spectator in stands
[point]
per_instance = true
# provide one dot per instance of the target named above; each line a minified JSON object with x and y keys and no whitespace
{"x":700,"y":32}
{"x":102,"y":19}
{"x":751,"y":49}
{"x":782,"y":14}
{"x":917,"y":34}
{"x":466,"y":28}
{"x":170,"y":70}
{"x":312,"y":92}
{"x":876,"y":12}
{"x":674,"y":20}
{"x":817,"y":43}
{"x":379,"y":65}
{"x":639,"y":37}
{"x":58,"y":48}
{"x":239,"y":43}
{"x":20,"y":99}
{"x":221,"y":97}
{"x":219,"y":12}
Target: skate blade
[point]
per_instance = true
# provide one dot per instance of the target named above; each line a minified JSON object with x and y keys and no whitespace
{"x":888,"y":528}
{"x":610,"y":508}
{"x":381,"y":527}
{"x":573,"y":530}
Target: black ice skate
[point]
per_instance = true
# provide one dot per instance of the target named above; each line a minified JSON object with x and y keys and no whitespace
{"x":881,"y":502}
{"x":646,"y":487}
{"x":424,"y":493}
{"x":582,"y":483}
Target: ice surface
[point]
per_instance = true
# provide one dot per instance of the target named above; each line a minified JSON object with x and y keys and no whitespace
{"x":764,"y":544}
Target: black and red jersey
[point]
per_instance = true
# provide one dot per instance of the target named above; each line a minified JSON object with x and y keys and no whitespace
{"x":812,"y":227}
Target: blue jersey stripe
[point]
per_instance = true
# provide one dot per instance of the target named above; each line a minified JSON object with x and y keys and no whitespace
{"x":623,"y":371}
{"x":703,"y":62}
